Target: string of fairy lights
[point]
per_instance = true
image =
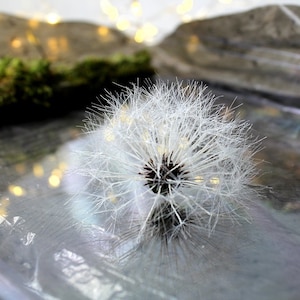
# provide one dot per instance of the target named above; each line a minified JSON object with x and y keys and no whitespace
{"x":143,"y":20}
{"x":130,"y":18}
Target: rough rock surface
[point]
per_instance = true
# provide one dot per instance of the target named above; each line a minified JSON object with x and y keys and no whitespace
{"x":66,"y":41}
{"x":258,"y":50}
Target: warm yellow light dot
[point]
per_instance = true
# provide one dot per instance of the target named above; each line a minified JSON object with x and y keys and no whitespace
{"x":16,"y":190}
{"x":4,"y":202}
{"x":124,"y":117}
{"x":112,"y":198}
{"x":150,"y":29}
{"x":184,"y":143}
{"x":184,"y":7}
{"x":136,"y":8}
{"x":53,"y":18}
{"x":110,"y":10}
{"x":161,"y":149}
{"x":109,"y":135}
{"x":194,"y":39}
{"x":139,"y":36}
{"x":57,"y":45}
{"x":146,"y":136}
{"x":20,"y":168}
{"x":123,"y":25}
{"x":103,"y":31}
{"x":199,"y":179}
{"x":186,"y":18}
{"x":52,"y":44}
{"x":57,"y":172}
{"x":54,"y":181}
{"x":16,"y":43}
{"x":193,"y":43}
{"x":145,"y":33}
{"x":33,"y":23}
{"x":31,"y":38}
{"x":38,"y":170}
{"x":214,"y":180}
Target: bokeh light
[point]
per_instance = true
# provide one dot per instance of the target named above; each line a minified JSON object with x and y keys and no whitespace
{"x":135,"y":18}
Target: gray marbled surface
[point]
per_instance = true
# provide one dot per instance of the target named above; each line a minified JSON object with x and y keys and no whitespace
{"x":258,"y":51}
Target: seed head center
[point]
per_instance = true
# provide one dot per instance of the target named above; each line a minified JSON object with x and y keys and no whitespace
{"x":164,"y":176}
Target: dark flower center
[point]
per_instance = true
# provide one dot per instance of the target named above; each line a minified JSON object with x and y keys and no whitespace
{"x":164,"y":177}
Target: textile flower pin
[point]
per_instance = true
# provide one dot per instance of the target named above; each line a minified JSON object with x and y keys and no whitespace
{"x":166,"y":164}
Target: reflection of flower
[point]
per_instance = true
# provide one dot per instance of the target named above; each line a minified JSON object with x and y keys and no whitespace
{"x":166,"y":163}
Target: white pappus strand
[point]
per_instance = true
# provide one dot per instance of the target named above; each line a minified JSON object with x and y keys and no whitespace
{"x":166,"y":164}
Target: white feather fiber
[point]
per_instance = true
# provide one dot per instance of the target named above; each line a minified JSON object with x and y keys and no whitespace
{"x":166,"y":165}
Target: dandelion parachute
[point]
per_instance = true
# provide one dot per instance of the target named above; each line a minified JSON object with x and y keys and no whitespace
{"x":166,"y":164}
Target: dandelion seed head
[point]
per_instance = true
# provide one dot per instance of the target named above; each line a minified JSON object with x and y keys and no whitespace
{"x":169,"y":160}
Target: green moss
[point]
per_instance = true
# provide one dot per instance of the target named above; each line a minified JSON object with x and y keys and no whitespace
{"x":30,"y":82}
{"x":38,"y":89}
{"x":92,"y":72}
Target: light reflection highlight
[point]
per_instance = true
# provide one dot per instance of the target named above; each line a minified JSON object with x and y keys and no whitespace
{"x":53,"y":18}
{"x":4,"y":203}
{"x":110,"y":10}
{"x":136,"y":8}
{"x":16,"y":190}
{"x":215,"y":180}
{"x":54,"y":181}
{"x":184,"y":7}
{"x":20,"y":168}
{"x":103,"y":31}
{"x":33,"y":23}
{"x":199,"y":179}
{"x":16,"y":43}
{"x":146,"y":33}
{"x":38,"y":170}
{"x":123,"y":24}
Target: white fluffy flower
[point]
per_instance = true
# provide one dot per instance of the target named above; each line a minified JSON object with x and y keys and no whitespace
{"x":166,"y":163}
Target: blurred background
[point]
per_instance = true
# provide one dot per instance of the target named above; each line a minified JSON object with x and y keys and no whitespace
{"x":144,"y":20}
